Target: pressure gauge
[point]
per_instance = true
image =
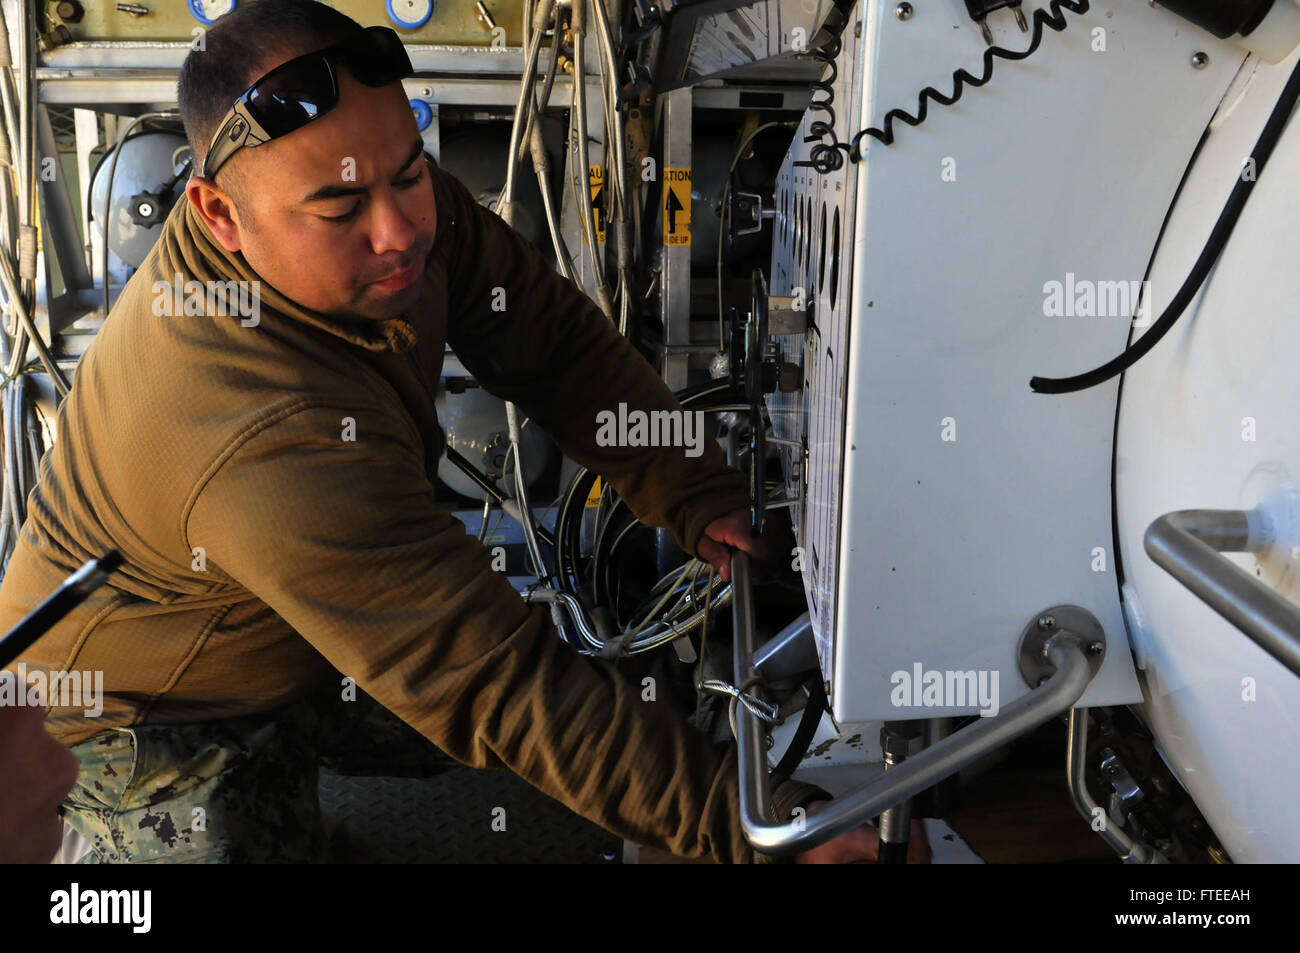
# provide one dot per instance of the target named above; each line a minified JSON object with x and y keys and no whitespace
{"x":409,"y":14}
{"x":208,"y":12}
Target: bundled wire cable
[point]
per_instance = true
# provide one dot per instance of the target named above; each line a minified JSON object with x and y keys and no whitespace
{"x":679,"y":603}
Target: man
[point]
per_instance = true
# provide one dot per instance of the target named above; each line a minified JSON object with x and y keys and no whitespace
{"x":267,"y":471}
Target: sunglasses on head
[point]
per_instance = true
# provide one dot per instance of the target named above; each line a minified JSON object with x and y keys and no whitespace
{"x":303,"y":89}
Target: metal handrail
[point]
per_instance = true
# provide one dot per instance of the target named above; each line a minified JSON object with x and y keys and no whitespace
{"x":1130,"y":851}
{"x":1189,"y":545}
{"x":1066,"y":650}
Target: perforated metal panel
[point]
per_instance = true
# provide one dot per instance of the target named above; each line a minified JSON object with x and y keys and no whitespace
{"x":812,"y":243}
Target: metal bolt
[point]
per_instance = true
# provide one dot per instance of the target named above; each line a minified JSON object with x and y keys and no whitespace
{"x":1200,"y":60}
{"x":1095,"y":648}
{"x":1046,"y":622}
{"x":770,"y":741}
{"x":145,"y":209}
{"x":903,"y":11}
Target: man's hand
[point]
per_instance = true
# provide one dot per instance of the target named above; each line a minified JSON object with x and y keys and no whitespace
{"x":862,"y":844}
{"x":726,"y":533}
{"x":36,"y":773}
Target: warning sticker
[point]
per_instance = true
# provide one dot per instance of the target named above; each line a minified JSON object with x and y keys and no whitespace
{"x":593,"y":498}
{"x":596,"y":179}
{"x":677,"y":206}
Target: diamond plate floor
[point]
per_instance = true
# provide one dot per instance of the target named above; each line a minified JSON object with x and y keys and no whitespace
{"x":456,"y":818}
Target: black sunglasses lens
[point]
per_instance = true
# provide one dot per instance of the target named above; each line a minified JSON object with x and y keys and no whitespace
{"x":284,"y":101}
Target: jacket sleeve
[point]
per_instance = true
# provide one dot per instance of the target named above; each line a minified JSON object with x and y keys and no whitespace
{"x":528,"y":335}
{"x":342,"y":539}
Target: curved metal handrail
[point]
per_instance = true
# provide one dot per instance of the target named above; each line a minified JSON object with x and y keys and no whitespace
{"x":1189,"y":545}
{"x":1066,"y":651}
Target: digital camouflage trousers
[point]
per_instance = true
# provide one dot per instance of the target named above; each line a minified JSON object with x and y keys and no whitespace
{"x":240,"y":790}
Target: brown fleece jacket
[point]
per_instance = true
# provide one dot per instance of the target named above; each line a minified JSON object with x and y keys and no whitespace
{"x":196,"y":436}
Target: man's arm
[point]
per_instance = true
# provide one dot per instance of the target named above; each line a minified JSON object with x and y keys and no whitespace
{"x":530,"y":336}
{"x":343,"y":540}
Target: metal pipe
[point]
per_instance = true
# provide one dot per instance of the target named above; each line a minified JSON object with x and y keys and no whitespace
{"x":18,"y":508}
{"x":614,"y":119}
{"x":609,"y":76}
{"x":535,"y":114}
{"x":542,"y":166}
{"x":790,"y":653}
{"x":29,"y":222}
{"x":579,"y":30}
{"x":1076,"y":751}
{"x":575,"y":609}
{"x":521,"y":495}
{"x":896,"y":821}
{"x":19,"y":308}
{"x":542,"y":14}
{"x":1189,"y":544}
{"x":1066,"y":651}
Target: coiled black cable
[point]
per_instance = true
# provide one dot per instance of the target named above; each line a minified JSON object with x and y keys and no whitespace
{"x":825,"y":157}
{"x":1055,"y":20}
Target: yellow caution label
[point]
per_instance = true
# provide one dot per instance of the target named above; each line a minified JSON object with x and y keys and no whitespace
{"x":596,"y":180}
{"x":593,"y":498}
{"x":677,"y":206}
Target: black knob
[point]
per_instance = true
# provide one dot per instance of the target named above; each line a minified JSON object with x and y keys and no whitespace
{"x":148,"y":208}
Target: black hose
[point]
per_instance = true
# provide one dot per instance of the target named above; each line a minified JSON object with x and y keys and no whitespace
{"x":1214,"y":246}
{"x":803,"y":735}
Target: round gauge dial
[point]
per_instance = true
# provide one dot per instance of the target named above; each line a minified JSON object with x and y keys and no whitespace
{"x":208,"y":12}
{"x":409,"y":14}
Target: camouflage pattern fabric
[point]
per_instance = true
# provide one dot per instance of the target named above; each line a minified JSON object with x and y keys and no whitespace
{"x":242,"y":790}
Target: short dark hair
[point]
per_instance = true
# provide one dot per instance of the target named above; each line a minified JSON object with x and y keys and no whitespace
{"x":240,"y":47}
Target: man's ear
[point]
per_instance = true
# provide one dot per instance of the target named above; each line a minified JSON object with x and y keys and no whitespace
{"x":217,"y":209}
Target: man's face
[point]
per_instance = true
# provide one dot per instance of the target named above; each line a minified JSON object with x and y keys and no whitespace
{"x":332,"y":207}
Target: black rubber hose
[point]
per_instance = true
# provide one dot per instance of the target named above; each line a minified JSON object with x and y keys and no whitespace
{"x":1214,"y":246}
{"x":803,"y":735}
